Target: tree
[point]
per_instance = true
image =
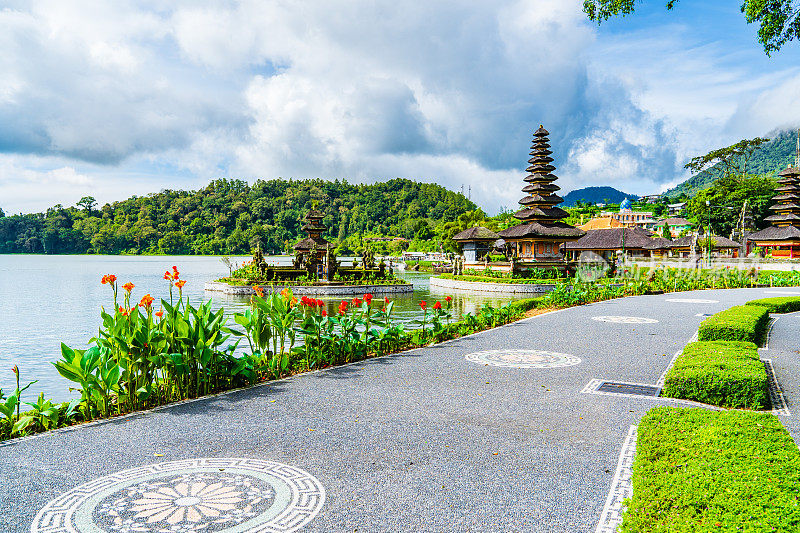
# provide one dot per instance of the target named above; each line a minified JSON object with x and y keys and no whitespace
{"x":2,"y":214}
{"x":665,"y":232}
{"x":88,"y":203}
{"x":778,"y":19}
{"x":729,"y":161}
{"x":720,"y":205}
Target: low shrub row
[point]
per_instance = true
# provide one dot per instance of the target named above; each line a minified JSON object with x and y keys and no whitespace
{"x":740,"y":323}
{"x":724,"y":373}
{"x":701,"y":470}
{"x":784,"y":304}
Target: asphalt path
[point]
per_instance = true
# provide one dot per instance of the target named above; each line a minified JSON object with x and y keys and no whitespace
{"x":425,"y":440}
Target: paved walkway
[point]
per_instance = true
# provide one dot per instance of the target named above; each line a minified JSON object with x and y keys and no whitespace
{"x":422,"y":441}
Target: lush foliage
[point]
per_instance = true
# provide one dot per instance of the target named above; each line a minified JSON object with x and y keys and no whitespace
{"x":720,"y":206}
{"x":724,"y":373}
{"x":702,"y":470}
{"x":782,"y":304}
{"x":778,"y":19}
{"x":740,"y":323}
{"x":233,"y":217}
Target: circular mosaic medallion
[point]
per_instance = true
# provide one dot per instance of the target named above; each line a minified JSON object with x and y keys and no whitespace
{"x":625,"y":319}
{"x":692,"y":301}
{"x":523,"y":358}
{"x":208,"y":495}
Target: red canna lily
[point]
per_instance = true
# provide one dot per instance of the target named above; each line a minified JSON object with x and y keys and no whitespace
{"x":108,"y":278}
{"x":448,"y":299}
{"x":324,"y":312}
{"x":159,"y":314}
{"x":320,"y":303}
{"x":386,"y":300}
{"x":146,"y":301}
{"x":180,"y":283}
{"x":259,"y":291}
{"x":437,"y":305}
{"x":423,"y":304}
{"x":343,"y":307}
{"x":368,"y":298}
{"x":356,"y":302}
{"x":125,"y":312}
{"x":128,"y":286}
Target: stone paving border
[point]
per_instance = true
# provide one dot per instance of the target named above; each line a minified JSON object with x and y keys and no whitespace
{"x":487,"y":286}
{"x":621,"y":486}
{"x":776,"y":397}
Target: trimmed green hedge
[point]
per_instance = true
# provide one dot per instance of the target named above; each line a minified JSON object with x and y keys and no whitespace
{"x":740,"y":323}
{"x":701,"y":470}
{"x":724,"y":373}
{"x":526,"y":304}
{"x":784,"y":304}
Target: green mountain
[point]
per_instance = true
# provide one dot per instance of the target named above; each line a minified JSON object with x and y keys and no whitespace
{"x":769,"y":158}
{"x":593,"y":195}
{"x":233,"y":217}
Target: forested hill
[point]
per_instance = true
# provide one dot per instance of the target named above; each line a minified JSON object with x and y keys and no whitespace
{"x":594,"y":195}
{"x":231,"y":217}
{"x":767,"y":159}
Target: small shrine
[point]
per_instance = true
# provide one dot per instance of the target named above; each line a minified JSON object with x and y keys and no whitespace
{"x":475,"y":242}
{"x":540,"y":237}
{"x":782,"y":238}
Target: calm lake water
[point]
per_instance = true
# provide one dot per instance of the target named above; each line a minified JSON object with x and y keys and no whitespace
{"x":47,"y":300}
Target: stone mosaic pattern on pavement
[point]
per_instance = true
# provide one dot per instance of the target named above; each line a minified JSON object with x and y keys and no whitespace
{"x":523,"y":358}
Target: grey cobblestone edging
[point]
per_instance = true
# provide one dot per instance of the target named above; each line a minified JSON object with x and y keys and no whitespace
{"x":317,"y":290}
{"x":509,"y":288}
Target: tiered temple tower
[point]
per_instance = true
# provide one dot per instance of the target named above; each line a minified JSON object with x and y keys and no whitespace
{"x":782,"y":239}
{"x":540,"y":235}
{"x":314,"y":242}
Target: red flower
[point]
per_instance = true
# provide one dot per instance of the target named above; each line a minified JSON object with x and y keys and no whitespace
{"x":159,"y":314}
{"x":167,"y":276}
{"x":383,"y":309}
{"x":356,"y":302}
{"x":109,"y":278}
{"x":146,"y":301}
{"x":422,"y":304}
{"x":448,"y":299}
{"x":386,"y":300}
{"x":180,"y":283}
{"x":368,"y":298}
{"x":320,"y":303}
{"x":324,"y":312}
{"x":259,"y":291}
{"x":437,"y":305}
{"x":343,"y":307}
{"x":128,"y":286}
{"x":125,"y":312}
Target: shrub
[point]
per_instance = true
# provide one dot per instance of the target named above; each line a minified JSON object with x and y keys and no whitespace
{"x":785,"y":304}
{"x":740,"y":323}
{"x":724,"y":373}
{"x":701,"y":470}
{"x":526,"y":304}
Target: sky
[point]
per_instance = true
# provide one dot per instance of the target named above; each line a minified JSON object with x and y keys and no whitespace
{"x":113,"y":99}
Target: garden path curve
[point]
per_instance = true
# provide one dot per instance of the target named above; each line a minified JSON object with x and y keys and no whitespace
{"x":426,"y":440}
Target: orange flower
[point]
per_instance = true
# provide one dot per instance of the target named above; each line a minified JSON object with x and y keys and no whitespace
{"x":437,"y":305}
{"x":125,"y":312}
{"x":159,"y":313}
{"x":108,"y":278}
{"x":293,"y":302}
{"x":343,"y":307}
{"x":180,"y":283}
{"x":146,"y":301}
{"x":128,"y":286}
{"x":259,"y":291}
{"x":356,"y":302}
{"x":286,"y":293}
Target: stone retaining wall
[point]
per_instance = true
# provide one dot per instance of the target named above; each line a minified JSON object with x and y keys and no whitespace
{"x":482,"y":286}
{"x":307,"y":290}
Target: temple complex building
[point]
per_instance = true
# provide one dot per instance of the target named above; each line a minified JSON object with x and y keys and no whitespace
{"x":541,"y":235}
{"x":782,"y":238}
{"x":476,"y":242}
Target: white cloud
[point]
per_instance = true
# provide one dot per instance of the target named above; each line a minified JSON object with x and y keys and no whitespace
{"x":130,"y":94}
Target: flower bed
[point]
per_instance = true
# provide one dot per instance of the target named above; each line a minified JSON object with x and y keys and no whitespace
{"x":724,"y":373}
{"x":701,"y":470}
{"x":787,"y":304}
{"x":740,"y":323}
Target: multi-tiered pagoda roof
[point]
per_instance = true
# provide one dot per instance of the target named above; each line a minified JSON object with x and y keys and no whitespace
{"x":315,"y":228}
{"x":539,"y":213}
{"x":785,"y":219}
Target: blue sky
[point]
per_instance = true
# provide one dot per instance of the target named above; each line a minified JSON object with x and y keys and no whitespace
{"x":122,"y":98}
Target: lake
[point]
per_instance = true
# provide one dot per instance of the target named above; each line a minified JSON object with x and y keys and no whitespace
{"x":46,"y":300}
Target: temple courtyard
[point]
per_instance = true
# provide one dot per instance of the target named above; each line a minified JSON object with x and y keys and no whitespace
{"x":510,"y":429}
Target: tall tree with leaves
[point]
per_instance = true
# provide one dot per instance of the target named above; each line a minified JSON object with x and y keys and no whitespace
{"x":778,"y":19}
{"x":729,"y":161}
